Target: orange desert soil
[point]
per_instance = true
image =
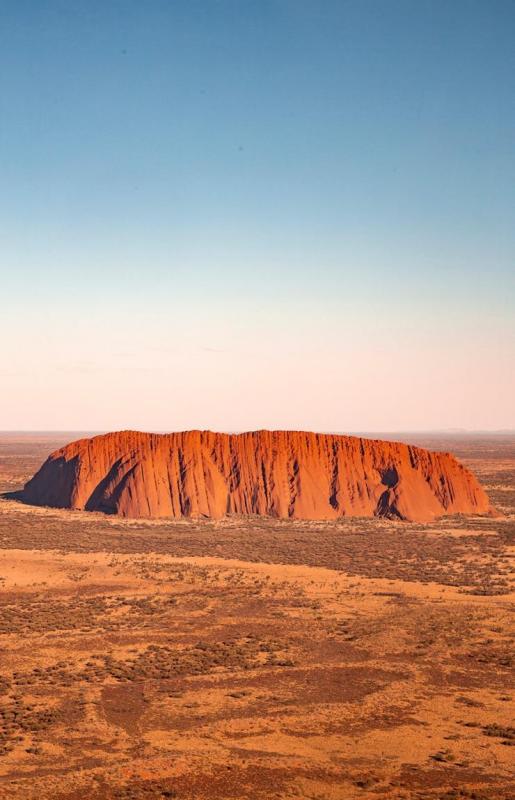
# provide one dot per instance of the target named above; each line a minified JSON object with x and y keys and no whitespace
{"x":253,"y":658}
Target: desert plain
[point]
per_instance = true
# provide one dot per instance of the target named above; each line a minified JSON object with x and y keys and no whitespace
{"x":256,"y":658}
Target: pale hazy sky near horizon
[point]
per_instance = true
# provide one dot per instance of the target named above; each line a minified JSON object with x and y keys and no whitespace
{"x":235,"y":215}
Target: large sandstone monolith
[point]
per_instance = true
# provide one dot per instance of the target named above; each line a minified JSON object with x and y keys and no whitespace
{"x":272,"y":473}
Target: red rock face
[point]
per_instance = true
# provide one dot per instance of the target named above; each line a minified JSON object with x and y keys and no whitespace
{"x":272,"y":473}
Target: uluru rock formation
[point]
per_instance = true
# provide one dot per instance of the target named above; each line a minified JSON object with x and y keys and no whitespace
{"x":271,"y":473}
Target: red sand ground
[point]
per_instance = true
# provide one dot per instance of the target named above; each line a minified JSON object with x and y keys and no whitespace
{"x":251,"y":658}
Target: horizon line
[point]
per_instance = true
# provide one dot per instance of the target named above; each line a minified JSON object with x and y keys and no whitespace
{"x":93,"y":431}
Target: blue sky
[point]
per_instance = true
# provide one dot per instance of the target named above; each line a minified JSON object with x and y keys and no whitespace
{"x":244,"y":214}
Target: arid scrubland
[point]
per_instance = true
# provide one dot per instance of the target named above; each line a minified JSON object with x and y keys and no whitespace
{"x":254,"y":658}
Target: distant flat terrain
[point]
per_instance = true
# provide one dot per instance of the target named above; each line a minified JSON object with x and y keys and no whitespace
{"x":251,"y":658}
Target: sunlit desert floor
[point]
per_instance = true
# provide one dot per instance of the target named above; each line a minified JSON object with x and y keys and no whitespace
{"x":254,"y":658}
